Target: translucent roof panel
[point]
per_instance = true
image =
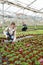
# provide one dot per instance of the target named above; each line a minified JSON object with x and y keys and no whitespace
{"x":26,"y":2}
{"x":13,"y":9}
{"x":37,"y":5}
{"x":22,"y":2}
{"x":42,"y":10}
{"x":0,"y":6}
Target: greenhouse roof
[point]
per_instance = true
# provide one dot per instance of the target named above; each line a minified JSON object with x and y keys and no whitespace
{"x":21,"y":7}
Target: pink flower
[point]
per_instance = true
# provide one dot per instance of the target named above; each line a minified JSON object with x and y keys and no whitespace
{"x":28,"y":45}
{"x":20,"y":50}
{"x":41,"y":60}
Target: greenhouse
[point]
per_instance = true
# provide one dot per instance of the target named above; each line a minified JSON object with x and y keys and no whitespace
{"x":21,"y":32}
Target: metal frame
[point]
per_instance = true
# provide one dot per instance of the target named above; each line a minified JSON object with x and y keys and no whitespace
{"x":19,"y":6}
{"x":31,"y":3}
{"x":27,"y":8}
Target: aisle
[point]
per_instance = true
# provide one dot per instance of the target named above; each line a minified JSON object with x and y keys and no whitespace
{"x":24,"y":38}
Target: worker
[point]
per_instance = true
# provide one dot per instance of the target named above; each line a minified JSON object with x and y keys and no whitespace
{"x":24,"y":27}
{"x":10,"y":32}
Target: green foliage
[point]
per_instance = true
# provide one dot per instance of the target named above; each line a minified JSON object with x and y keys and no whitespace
{"x":37,"y":63}
{"x":5,"y":63}
{"x":22,"y":59}
{"x":17,"y":62}
{"x":24,"y":63}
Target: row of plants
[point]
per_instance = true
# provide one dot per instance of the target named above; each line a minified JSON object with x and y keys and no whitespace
{"x":24,"y":52}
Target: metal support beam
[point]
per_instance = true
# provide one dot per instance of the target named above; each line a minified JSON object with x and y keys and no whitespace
{"x":7,"y":8}
{"x":27,"y":8}
{"x":3,"y":12}
{"x":12,"y":13}
{"x":41,"y":9}
{"x":23,"y":15}
{"x":31,"y":3}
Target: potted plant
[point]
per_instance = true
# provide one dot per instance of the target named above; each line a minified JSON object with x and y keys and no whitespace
{"x":0,"y":59}
{"x":2,"y":50}
{"x":17,"y":53}
{"x":24,"y":63}
{"x":4,"y":63}
{"x":17,"y":62}
{"x":24,"y":53}
{"x":15,"y":49}
{"x":34,"y":53}
{"x":11,"y":64}
{"x":4,"y":55}
{"x":26,"y":57}
{"x":37,"y":57}
{"x":41,"y":54}
{"x":16,"y":58}
{"x":10,"y":55}
{"x":11,"y":60}
{"x":33,"y":59}
{"x":29,"y":62}
{"x":37,"y":62}
{"x":22,"y":59}
{"x":30,"y":55}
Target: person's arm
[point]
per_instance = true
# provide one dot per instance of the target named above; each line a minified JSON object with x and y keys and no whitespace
{"x":14,"y":37}
{"x":5,"y":31}
{"x":15,"y":34}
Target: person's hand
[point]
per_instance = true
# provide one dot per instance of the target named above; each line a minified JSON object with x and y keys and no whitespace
{"x":13,"y":42}
{"x":8,"y":38}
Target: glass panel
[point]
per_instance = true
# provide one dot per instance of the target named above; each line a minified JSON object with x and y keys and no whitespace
{"x":37,"y":5}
